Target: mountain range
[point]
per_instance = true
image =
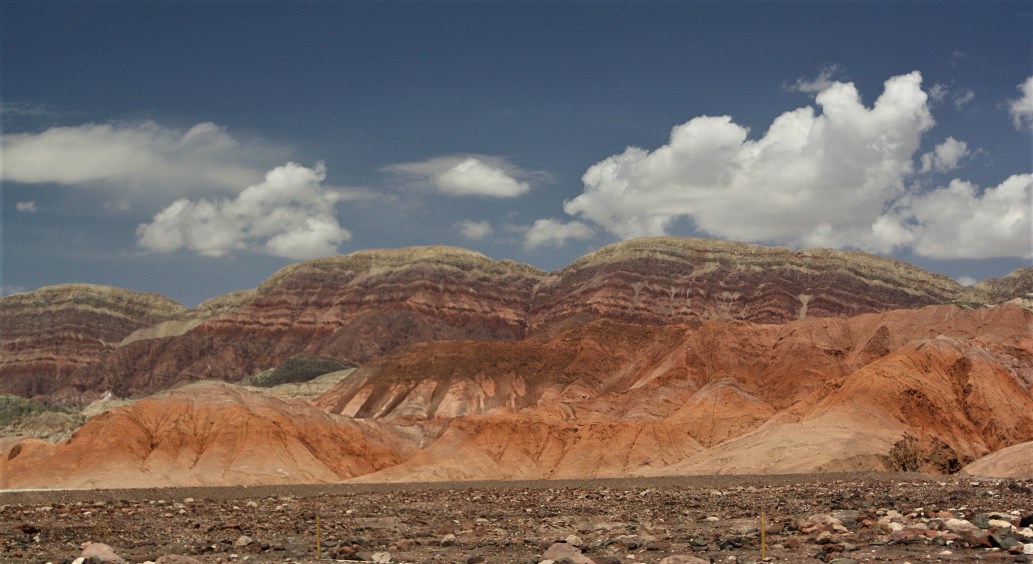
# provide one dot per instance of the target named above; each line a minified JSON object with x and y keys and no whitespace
{"x":656,"y":356}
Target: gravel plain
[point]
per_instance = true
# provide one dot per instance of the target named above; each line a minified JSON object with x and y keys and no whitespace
{"x":807,"y":518}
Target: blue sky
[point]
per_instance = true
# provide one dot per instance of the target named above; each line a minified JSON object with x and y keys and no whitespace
{"x":193,"y":148}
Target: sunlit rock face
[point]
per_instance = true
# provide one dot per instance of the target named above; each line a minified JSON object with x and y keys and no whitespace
{"x":926,"y":389}
{"x":683,"y":280}
{"x":203,"y":434}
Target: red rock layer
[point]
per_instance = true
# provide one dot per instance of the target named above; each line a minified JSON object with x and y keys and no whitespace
{"x":351,"y":308}
{"x":683,"y":280}
{"x":357,"y":307}
{"x":45,"y":335}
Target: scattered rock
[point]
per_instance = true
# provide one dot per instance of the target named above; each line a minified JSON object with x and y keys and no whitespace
{"x":959,"y":525}
{"x":613,"y":526}
{"x":101,"y":552}
{"x":562,"y":551}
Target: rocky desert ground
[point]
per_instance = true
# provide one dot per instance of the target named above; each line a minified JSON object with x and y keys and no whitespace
{"x":831,"y":518}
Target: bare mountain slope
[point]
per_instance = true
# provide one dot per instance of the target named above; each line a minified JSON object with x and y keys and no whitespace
{"x":204,"y":434}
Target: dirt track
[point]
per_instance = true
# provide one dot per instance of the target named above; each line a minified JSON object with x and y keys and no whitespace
{"x":621,"y":520}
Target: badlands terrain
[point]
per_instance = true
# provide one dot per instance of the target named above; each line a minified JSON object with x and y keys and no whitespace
{"x":649,"y":358}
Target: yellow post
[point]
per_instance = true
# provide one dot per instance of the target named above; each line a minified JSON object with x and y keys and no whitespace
{"x":319,"y":545}
{"x":763,"y":538}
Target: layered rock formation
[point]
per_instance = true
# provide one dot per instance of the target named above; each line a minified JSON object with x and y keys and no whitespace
{"x":357,"y":307}
{"x":47,"y":334}
{"x":1016,"y":287}
{"x":926,"y":389}
{"x":683,"y":280}
{"x":351,"y":308}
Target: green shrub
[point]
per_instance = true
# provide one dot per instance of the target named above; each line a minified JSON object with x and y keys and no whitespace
{"x":14,"y":408}
{"x":297,"y":369}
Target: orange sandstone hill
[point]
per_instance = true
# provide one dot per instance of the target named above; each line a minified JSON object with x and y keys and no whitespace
{"x":204,"y":434}
{"x":649,"y":357}
{"x":928,"y":389}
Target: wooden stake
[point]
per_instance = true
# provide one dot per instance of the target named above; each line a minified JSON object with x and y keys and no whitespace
{"x":319,"y":544}
{"x":763,"y":538}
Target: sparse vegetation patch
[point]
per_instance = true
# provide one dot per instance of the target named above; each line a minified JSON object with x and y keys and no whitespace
{"x":297,"y":369}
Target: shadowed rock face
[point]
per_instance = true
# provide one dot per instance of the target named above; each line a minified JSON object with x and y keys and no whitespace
{"x":47,"y":334}
{"x":356,"y":308}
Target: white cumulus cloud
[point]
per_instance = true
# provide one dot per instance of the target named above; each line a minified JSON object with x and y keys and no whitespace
{"x":138,"y":160}
{"x":25,"y":207}
{"x":555,"y":233}
{"x":1021,"y":108}
{"x":945,"y":156}
{"x":289,"y":214}
{"x":468,"y":175}
{"x":813,"y":179}
{"x":960,"y":222}
{"x":475,"y":230}
{"x":474,"y":178}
